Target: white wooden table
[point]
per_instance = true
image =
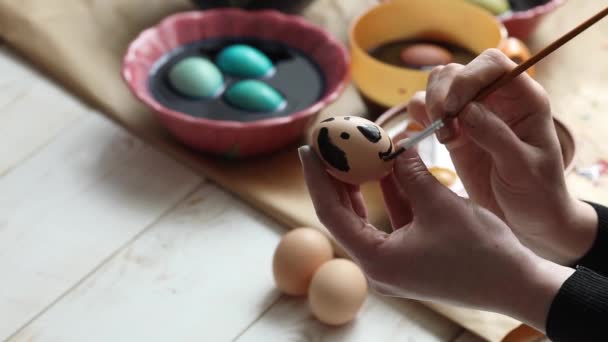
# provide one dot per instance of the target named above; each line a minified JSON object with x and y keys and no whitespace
{"x":102,"y":238}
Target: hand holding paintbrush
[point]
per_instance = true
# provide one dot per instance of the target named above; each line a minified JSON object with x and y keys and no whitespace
{"x":500,"y":82}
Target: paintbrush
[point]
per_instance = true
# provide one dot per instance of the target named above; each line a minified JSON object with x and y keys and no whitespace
{"x":501,"y":81}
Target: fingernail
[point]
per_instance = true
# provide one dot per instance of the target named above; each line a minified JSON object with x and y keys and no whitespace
{"x":302,"y":150}
{"x":444,"y":135}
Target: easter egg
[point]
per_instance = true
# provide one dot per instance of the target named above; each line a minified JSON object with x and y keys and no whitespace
{"x":496,"y":7}
{"x":353,"y":148}
{"x":244,"y":61}
{"x":196,"y":77}
{"x":255,"y":96}
{"x":424,"y":54}
{"x":337,"y":292}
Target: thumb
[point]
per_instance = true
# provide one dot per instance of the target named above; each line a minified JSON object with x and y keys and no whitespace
{"x":491,"y":134}
{"x":421,"y":187}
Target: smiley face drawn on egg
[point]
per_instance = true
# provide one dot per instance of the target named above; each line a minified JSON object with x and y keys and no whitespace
{"x":353,"y":148}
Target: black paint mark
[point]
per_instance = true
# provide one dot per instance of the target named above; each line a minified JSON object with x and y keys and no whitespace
{"x":331,"y":153}
{"x":347,"y":118}
{"x":395,"y":155}
{"x":384,"y":155}
{"x":371,"y":132}
{"x":328,"y":120}
{"x":344,"y":135}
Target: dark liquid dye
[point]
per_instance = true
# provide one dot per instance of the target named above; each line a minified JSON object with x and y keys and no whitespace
{"x":296,"y":77}
{"x":524,"y":5}
{"x":390,"y":52}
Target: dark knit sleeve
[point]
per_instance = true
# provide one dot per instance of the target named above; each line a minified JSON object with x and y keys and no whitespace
{"x":597,"y":257}
{"x":579,"y":311}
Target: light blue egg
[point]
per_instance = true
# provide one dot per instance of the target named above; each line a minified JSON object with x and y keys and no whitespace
{"x":244,"y":61}
{"x":196,"y":77}
{"x":254,"y":95}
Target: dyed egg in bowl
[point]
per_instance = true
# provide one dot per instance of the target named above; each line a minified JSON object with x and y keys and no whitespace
{"x":222,"y":115}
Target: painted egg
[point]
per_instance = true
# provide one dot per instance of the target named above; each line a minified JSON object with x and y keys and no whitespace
{"x":353,"y":148}
{"x":255,"y":96}
{"x":244,"y":61}
{"x":196,"y":77}
{"x":423,"y":55}
{"x":496,"y":7}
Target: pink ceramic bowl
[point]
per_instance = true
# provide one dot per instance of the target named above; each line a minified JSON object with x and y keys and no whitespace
{"x":235,"y":138}
{"x":521,"y":24}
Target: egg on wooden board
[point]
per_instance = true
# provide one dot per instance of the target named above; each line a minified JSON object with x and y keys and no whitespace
{"x":444,"y":175}
{"x":255,"y":96}
{"x":196,"y":77}
{"x":299,"y":254}
{"x":425,"y":55}
{"x":242,"y":60}
{"x":353,"y":148}
{"x":337,"y":291}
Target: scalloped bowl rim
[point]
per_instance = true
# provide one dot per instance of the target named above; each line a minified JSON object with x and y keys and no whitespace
{"x":144,"y":95}
{"x":533,"y":12}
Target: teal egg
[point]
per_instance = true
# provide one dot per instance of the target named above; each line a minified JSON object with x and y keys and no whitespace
{"x":244,"y":61}
{"x":254,"y":95}
{"x":196,"y":77}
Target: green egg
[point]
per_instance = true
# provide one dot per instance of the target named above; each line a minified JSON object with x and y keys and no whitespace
{"x":244,"y":61}
{"x":196,"y":77}
{"x":255,"y":96}
{"x":495,"y":6}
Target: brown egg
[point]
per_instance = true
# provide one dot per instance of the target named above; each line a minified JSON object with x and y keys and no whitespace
{"x":337,"y":292}
{"x":517,"y":51}
{"x":424,"y":55}
{"x":352,"y":148}
{"x":299,"y":254}
{"x":445,"y":176}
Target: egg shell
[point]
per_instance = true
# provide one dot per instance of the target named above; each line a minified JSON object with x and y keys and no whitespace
{"x":423,"y":54}
{"x":495,"y":7}
{"x":244,"y":61}
{"x":352,"y":149}
{"x":337,"y":292}
{"x":196,"y":77}
{"x":255,"y":96}
{"x":299,"y":254}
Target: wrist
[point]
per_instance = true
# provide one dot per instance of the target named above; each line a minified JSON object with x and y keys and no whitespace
{"x":537,"y":290}
{"x":573,"y":232}
{"x":582,"y":231}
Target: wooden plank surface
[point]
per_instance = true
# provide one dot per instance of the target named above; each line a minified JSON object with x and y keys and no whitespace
{"x":25,"y":100}
{"x":380,"y":319}
{"x":202,"y":273}
{"x":72,"y":205}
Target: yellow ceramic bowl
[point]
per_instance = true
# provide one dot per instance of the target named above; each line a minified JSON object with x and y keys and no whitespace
{"x":453,"y":21}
